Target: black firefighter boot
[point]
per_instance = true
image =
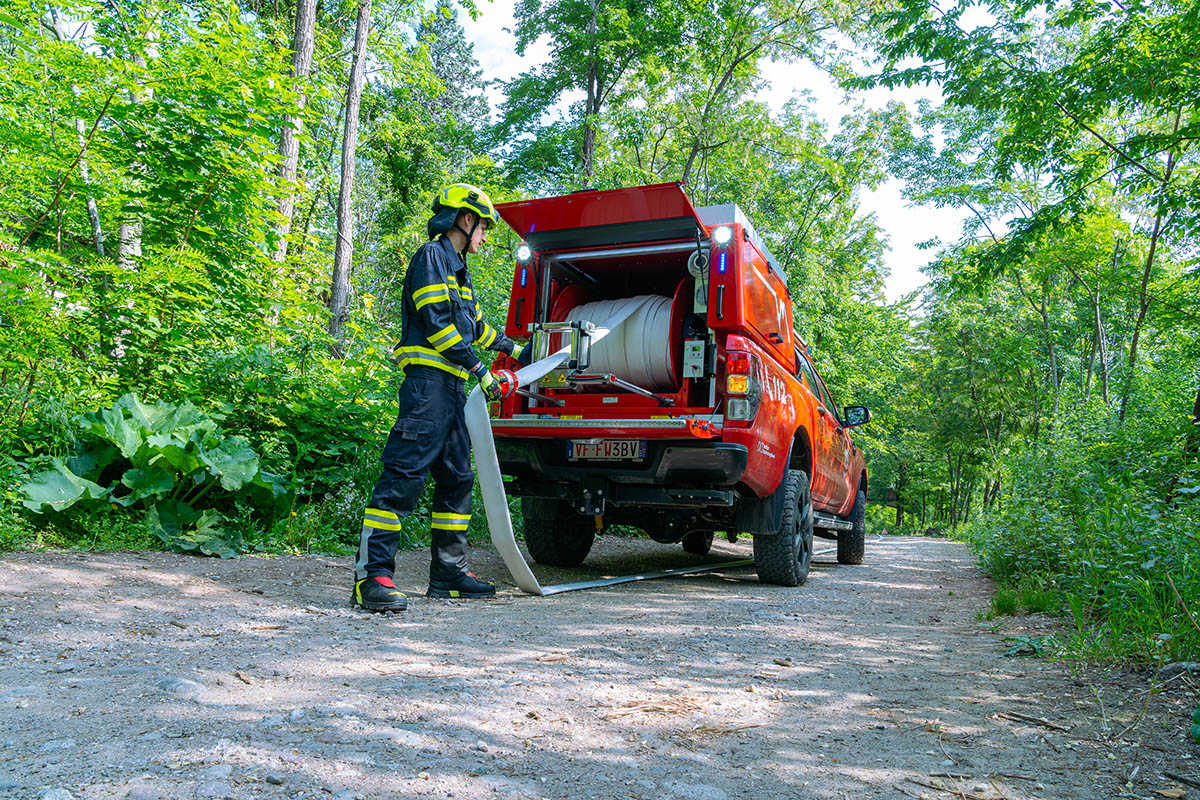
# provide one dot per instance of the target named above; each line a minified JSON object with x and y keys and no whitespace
{"x":448,"y":573}
{"x":378,"y":594}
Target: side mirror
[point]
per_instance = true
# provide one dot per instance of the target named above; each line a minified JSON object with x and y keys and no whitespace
{"x":855,"y":415}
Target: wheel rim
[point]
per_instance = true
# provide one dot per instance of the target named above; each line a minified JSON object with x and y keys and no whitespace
{"x":804,"y":542}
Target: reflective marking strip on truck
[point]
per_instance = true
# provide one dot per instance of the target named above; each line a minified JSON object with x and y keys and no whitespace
{"x":530,"y":421}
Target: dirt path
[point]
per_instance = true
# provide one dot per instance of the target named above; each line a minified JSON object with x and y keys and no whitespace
{"x":152,"y":675}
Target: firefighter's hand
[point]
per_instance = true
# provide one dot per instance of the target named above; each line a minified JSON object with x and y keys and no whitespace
{"x":498,"y":385}
{"x":518,"y":348}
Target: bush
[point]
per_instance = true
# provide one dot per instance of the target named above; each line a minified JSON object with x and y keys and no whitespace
{"x":169,"y":460}
{"x":1104,"y":521}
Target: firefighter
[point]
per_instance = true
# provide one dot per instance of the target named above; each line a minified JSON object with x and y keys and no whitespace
{"x":440,"y":321}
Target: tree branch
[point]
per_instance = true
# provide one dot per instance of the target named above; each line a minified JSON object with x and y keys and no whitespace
{"x":63,"y":181}
{"x":1109,"y":144}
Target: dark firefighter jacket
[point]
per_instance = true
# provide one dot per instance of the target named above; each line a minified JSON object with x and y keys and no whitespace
{"x":440,"y":318}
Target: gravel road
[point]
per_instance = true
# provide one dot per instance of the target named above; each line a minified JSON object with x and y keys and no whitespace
{"x":154,"y":675}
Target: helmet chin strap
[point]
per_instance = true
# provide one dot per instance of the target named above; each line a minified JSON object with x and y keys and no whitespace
{"x":469,"y":235}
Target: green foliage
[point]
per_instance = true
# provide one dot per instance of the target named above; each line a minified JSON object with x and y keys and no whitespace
{"x":15,"y":530}
{"x":165,"y":459}
{"x":1032,"y":646}
{"x":1092,"y":525}
{"x":1034,"y":398}
{"x":1005,"y":601}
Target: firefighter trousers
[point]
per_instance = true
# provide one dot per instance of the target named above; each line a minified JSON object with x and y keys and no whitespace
{"x":429,"y":437}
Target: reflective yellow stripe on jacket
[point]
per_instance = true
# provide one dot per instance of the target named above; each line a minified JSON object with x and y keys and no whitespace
{"x":427,"y":357}
{"x":446,"y":338}
{"x":433,"y":293}
{"x":489,"y":336}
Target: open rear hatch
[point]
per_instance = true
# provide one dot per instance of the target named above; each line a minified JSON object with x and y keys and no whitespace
{"x":604,"y":217}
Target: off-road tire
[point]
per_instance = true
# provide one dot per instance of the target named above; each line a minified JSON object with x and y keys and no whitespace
{"x":851,"y":544}
{"x":698,"y":542}
{"x":784,"y":558}
{"x":563,"y":540}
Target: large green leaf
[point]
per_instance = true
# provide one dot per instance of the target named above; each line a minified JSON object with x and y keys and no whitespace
{"x":181,"y":424}
{"x":111,"y":425}
{"x":215,"y":537}
{"x":139,"y":412}
{"x":57,"y":489}
{"x":89,"y":463}
{"x":183,"y":528}
{"x":182,"y":458}
{"x":233,"y":461}
{"x":167,"y":423}
{"x":273,"y":492}
{"x":169,"y":518}
{"x":144,"y":483}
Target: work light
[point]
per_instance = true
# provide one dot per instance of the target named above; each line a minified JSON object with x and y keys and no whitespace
{"x":722,"y":235}
{"x":524,"y":253}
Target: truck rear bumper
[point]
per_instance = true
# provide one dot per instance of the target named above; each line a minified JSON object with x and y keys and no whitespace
{"x":674,"y":464}
{"x":679,"y":475}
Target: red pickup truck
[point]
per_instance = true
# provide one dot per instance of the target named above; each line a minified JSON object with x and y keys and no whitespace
{"x":700,"y":412}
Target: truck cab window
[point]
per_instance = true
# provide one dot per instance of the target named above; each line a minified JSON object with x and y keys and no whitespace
{"x":805,"y":371}
{"x":827,"y":399}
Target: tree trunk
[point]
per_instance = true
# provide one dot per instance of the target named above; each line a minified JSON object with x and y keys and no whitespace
{"x":1143,"y":304}
{"x":339,"y":293}
{"x":289,"y":141}
{"x":129,"y":231}
{"x":1192,"y":443}
{"x":591,"y":105}
{"x":1091,"y":366}
{"x":1144,"y":300}
{"x":1102,"y":346}
{"x":93,"y":212}
{"x":1046,"y":332}
{"x":81,"y":131}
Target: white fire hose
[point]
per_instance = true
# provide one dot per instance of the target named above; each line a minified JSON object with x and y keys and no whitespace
{"x":651,"y":362}
{"x":639,"y":348}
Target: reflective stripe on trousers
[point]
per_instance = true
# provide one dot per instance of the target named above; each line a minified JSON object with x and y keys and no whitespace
{"x":429,"y":437}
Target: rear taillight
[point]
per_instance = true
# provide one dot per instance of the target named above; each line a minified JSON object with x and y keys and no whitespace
{"x":738,"y":369}
{"x":737,"y":363}
{"x":741,"y":386}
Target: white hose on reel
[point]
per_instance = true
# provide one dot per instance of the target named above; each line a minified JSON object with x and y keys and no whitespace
{"x":638,"y":351}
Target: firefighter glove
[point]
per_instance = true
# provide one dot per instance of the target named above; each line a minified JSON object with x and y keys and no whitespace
{"x":498,"y":385}
{"x":518,"y":348}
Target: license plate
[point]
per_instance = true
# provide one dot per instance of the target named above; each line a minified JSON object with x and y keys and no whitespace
{"x":606,"y":450}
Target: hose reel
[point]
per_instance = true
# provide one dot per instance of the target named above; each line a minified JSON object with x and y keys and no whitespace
{"x":640,"y":356}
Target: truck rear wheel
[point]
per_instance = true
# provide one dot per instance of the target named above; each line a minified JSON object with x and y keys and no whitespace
{"x":784,"y":558}
{"x":852,"y":544}
{"x":554,"y":536}
{"x":698,"y":542}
